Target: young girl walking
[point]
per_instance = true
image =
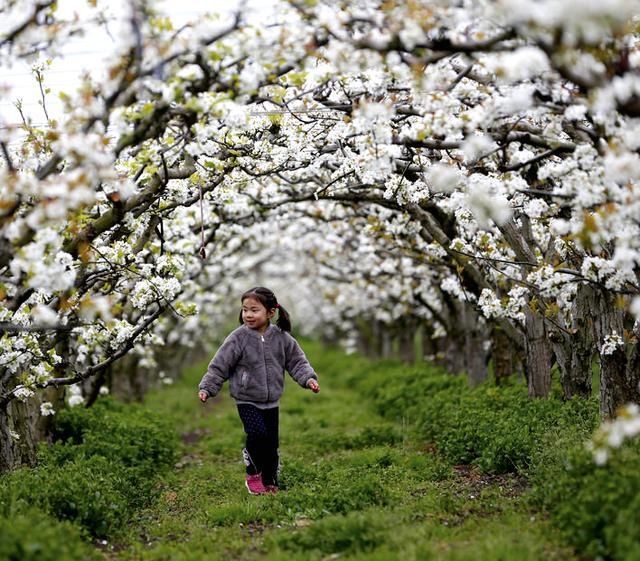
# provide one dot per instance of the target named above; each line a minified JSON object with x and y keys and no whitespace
{"x":253,"y":358}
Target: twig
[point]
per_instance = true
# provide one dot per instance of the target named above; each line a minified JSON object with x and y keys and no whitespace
{"x":520,"y":165}
{"x":40,"y":80}
{"x":7,"y":157}
{"x":115,"y":266}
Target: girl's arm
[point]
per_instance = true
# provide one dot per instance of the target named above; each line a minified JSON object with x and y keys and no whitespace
{"x":221,"y":365}
{"x":297,"y":364}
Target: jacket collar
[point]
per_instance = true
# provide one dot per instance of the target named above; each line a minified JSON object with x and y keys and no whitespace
{"x":256,"y":333}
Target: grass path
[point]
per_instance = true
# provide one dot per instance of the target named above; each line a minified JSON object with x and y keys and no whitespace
{"x":357,"y":487}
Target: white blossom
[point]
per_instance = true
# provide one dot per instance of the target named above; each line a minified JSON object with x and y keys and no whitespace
{"x":622,"y":168}
{"x":612,"y":342}
{"x":45,"y":316}
{"x":191,"y":72}
{"x":521,"y":64}
{"x":535,"y":208}
{"x":612,"y":434}
{"x":46,"y":409}
{"x":442,"y":178}
{"x":23,"y":393}
{"x":486,"y":202}
{"x":411,"y":34}
{"x":74,"y":396}
{"x":575,"y":112}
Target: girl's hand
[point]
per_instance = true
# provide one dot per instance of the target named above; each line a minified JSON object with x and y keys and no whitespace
{"x":313,"y":385}
{"x":203,"y":396}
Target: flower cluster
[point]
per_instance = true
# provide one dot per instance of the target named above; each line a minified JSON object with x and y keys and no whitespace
{"x":612,"y":434}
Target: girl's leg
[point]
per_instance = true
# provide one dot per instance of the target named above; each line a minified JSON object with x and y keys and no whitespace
{"x":256,"y":431}
{"x":271,"y":456}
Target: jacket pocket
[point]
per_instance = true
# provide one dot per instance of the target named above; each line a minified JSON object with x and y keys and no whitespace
{"x":243,"y":379}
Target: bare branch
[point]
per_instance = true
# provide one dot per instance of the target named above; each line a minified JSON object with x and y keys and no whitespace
{"x":7,"y":157}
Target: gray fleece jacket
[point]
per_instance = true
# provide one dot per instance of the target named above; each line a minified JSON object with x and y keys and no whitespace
{"x":254,"y":364}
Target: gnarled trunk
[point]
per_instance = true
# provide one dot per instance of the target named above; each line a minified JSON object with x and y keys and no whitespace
{"x":575,"y":346}
{"x":22,"y":427}
{"x":537,"y":355}
{"x":573,"y":353}
{"x":476,"y":349}
{"x":537,"y":346}
{"x":504,"y":356}
{"x":619,"y":364}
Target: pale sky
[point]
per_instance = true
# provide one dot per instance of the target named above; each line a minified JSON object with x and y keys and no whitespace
{"x":88,"y":52}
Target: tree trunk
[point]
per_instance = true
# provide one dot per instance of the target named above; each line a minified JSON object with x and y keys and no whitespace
{"x":375,"y":346}
{"x":126,"y":381}
{"x":9,"y":450}
{"x":363,"y":343}
{"x":452,"y":355}
{"x":504,"y":356}
{"x":574,"y":359}
{"x":365,"y":338}
{"x":475,"y":344}
{"x":538,"y":355}
{"x":619,"y":372}
{"x":537,"y":346}
{"x":574,"y":349}
{"x":429,"y":345}
{"x":97,"y":384}
{"x":386,"y":341}
{"x":22,"y":427}
{"x":406,"y":341}
{"x":463,"y":350}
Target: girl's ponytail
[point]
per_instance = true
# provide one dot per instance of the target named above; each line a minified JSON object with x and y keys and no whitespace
{"x":284,"y":321}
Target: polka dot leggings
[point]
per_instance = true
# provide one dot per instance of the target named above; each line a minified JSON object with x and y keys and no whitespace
{"x":261,"y":448}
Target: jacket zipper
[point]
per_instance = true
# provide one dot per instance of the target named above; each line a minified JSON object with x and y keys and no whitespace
{"x":266,"y":371}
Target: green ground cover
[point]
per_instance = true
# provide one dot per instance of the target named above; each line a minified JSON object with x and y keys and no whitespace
{"x":387,"y":462}
{"x":357,"y":485}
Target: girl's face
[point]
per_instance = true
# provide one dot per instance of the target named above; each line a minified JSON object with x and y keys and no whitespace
{"x":255,"y":315}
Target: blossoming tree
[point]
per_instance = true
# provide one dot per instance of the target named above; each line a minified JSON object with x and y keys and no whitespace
{"x":470,"y":167}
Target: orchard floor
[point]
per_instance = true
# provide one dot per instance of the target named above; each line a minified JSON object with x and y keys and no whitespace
{"x":357,"y":487}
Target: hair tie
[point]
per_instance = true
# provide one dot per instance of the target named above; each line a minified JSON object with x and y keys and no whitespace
{"x":277,"y":306}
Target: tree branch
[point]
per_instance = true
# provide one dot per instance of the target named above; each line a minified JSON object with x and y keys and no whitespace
{"x":80,"y":376}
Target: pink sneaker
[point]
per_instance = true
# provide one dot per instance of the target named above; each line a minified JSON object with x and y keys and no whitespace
{"x":254,"y":484}
{"x":271,"y":489}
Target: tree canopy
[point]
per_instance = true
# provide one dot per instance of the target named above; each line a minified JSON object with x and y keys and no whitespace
{"x":470,"y":167}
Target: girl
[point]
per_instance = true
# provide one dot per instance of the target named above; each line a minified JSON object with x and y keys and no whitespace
{"x":254,"y":357}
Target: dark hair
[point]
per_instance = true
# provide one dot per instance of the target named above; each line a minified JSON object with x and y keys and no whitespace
{"x":268,"y":299}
